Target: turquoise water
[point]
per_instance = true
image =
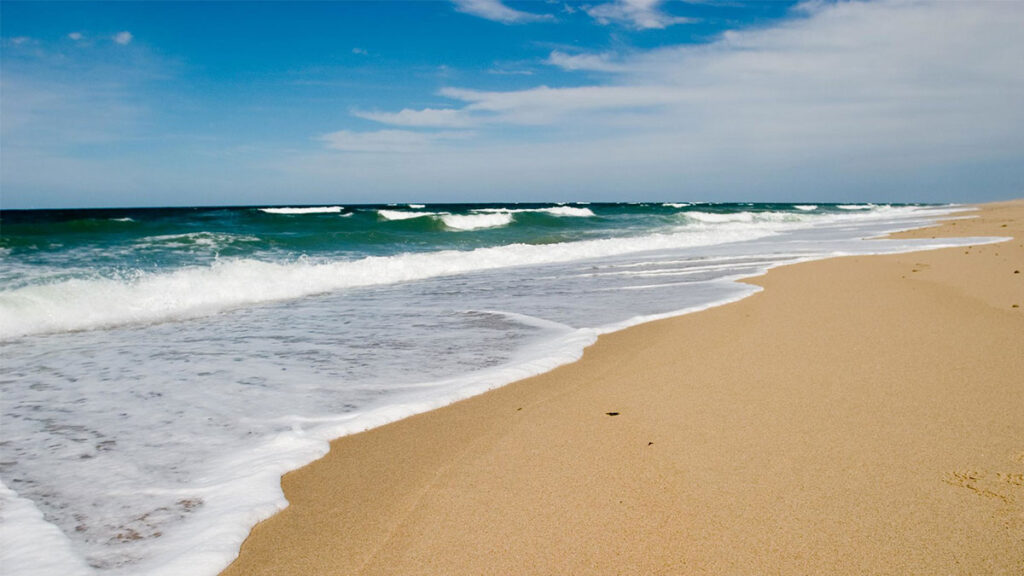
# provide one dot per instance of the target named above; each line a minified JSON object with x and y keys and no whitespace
{"x":163,"y":367}
{"x":124,"y":241}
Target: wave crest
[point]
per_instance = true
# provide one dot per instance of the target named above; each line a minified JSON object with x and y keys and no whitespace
{"x":304,"y":210}
{"x":743,"y":217}
{"x":204,"y":240}
{"x":476,"y":221}
{"x":402,"y":214}
{"x":554,"y":211}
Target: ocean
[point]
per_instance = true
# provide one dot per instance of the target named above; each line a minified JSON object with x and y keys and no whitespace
{"x":162,"y":368}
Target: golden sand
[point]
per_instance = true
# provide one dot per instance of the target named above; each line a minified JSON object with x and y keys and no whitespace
{"x":861,"y":415}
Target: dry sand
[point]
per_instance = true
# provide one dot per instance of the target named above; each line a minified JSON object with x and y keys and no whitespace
{"x":861,"y":415}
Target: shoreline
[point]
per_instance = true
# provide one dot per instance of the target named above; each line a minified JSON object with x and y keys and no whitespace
{"x":720,"y":458}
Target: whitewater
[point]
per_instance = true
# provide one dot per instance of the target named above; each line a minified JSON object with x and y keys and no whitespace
{"x":163,"y":368}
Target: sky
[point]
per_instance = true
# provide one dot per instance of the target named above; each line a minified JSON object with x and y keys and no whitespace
{"x":266,"y":103}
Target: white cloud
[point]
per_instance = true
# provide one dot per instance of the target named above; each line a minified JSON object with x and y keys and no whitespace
{"x":76,"y":36}
{"x":839,"y":75}
{"x":497,"y":11}
{"x":19,"y":40}
{"x":538,"y":106}
{"x":639,"y":14}
{"x":123,"y":38}
{"x":360,"y":51}
{"x":558,"y":107}
{"x":387,"y":141}
{"x":883,"y":101}
{"x":899,"y":100}
{"x":588,"y":62}
{"x":426,"y":118}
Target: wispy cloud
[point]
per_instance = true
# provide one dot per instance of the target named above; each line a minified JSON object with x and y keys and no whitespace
{"x":76,"y":36}
{"x":123,"y":38}
{"x":505,"y":71}
{"x":78,"y":123}
{"x":541,"y":106}
{"x":426,"y":118}
{"x":513,"y":68}
{"x":639,"y":14}
{"x":587,"y":62}
{"x":497,"y":11}
{"x":100,"y":113}
{"x":551,"y":106}
{"x":360,"y":51}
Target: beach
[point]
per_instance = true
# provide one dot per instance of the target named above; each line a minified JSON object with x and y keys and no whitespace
{"x":150,"y":436}
{"x":494,"y":287}
{"x":859,"y":415}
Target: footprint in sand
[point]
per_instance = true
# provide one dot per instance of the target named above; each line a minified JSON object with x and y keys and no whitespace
{"x":975,"y":481}
{"x":1001,"y":485}
{"x":1012,"y":479}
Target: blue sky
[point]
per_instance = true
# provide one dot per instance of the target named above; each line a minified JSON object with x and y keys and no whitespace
{"x":202,"y":103}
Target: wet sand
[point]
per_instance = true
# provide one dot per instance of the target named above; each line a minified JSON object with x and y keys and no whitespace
{"x":861,"y":415}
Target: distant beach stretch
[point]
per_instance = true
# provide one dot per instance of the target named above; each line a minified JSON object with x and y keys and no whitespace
{"x":163,"y":369}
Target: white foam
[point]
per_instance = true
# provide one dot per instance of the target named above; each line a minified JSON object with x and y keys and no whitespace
{"x":717,"y":218}
{"x":304,"y":210}
{"x":244,"y":487}
{"x":746,"y":217}
{"x":194,"y":239}
{"x":122,"y":220}
{"x":676,"y":204}
{"x":146,"y":297}
{"x":416,"y":206}
{"x":570,"y":211}
{"x":806,"y":207}
{"x":402,"y":214}
{"x":476,"y":221}
{"x":855,"y":206}
{"x":528,"y":320}
{"x":684,"y":271}
{"x":31,"y":546}
{"x":731,"y":292}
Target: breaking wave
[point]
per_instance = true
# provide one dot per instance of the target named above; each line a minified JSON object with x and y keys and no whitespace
{"x":146,"y":297}
{"x":304,"y":210}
